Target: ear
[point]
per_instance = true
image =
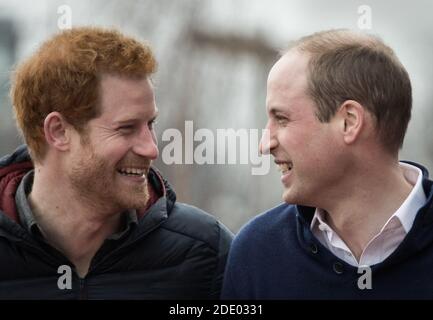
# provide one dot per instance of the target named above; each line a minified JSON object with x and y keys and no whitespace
{"x":56,"y":130}
{"x":352,"y":120}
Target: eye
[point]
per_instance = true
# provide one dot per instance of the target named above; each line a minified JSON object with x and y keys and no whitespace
{"x":152,"y":123}
{"x":126,"y":128}
{"x":281,"y":120}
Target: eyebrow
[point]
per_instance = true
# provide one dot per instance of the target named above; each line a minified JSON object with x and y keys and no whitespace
{"x":274,"y":110}
{"x":131,"y":120}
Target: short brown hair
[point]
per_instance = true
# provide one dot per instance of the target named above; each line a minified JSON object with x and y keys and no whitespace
{"x":64,"y":76}
{"x":345,"y":65}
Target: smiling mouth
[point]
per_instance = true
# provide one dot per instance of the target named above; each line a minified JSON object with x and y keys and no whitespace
{"x":285,"y":167}
{"x":132,"y":172}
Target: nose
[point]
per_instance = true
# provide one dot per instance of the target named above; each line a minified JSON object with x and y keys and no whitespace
{"x":146,"y":144}
{"x":268,"y":141}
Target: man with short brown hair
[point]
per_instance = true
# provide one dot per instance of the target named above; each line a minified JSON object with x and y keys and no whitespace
{"x":357,"y":223}
{"x":84,"y":197}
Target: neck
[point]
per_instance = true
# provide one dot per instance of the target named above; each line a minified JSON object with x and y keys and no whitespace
{"x":369,"y":200}
{"x":68,"y":223}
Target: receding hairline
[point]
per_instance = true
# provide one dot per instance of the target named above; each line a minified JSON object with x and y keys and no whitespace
{"x":334,"y":39}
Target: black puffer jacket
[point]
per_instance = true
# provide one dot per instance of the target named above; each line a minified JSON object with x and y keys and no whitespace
{"x":176,"y":251}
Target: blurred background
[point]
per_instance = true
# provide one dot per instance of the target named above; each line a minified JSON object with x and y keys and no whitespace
{"x":214,"y":56}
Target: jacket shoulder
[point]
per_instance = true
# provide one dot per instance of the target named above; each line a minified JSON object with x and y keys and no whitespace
{"x":258,"y":242}
{"x":20,"y":154}
{"x":266,"y":229}
{"x":195,"y":223}
{"x":270,"y":221}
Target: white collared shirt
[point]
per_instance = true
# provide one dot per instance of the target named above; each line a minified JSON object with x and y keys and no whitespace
{"x":391,"y":234}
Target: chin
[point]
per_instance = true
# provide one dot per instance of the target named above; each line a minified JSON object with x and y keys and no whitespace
{"x":138,"y":201}
{"x":132,"y":203}
{"x":293,"y":196}
{"x":288,"y":197}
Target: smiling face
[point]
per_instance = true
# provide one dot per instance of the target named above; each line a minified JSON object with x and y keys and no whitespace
{"x":109,"y":164}
{"x":307,"y":151}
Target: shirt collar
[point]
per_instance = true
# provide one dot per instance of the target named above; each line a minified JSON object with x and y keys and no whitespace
{"x":416,"y":199}
{"x":406,"y":213}
{"x":25,"y":214}
{"x":130,"y":221}
{"x":318,"y":218}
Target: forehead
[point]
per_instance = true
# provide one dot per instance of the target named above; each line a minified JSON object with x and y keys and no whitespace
{"x":119,"y":95}
{"x":290,"y":71}
{"x":287,"y":80}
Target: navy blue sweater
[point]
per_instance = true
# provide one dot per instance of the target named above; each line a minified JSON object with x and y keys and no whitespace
{"x":276,"y":256}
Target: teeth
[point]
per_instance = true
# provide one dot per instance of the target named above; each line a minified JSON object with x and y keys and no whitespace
{"x":284,"y":167}
{"x":131,"y":171}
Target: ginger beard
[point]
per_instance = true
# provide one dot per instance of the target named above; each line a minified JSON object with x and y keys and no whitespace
{"x":99,"y":183}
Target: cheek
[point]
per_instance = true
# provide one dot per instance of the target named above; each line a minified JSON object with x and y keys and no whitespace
{"x":298,"y":142}
{"x":117,"y":146}
{"x":314,"y":150}
{"x":327,"y":153}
